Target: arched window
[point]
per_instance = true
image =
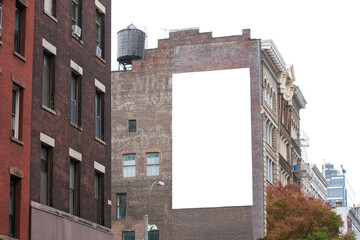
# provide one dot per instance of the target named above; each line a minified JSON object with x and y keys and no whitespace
{"x":269,"y":132}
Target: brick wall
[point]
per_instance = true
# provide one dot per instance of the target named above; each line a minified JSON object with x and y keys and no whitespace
{"x":57,"y":30}
{"x":145,"y":94}
{"x":15,"y":153}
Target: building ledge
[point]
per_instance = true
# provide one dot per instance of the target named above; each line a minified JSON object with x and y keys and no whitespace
{"x":70,"y":217}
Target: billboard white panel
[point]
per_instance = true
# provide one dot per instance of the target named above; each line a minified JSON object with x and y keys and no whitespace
{"x":211,"y":127}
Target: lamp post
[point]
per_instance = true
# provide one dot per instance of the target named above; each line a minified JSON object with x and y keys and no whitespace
{"x":147,"y":206}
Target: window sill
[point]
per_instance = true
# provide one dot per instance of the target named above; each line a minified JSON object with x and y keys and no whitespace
{"x":100,"y":141}
{"x":18,"y":141}
{"x":20,"y":56}
{"x":76,"y":126}
{"x":77,"y":38}
{"x":1,"y":43}
{"x":7,"y":237}
{"x":52,"y":111}
{"x":100,"y":58}
{"x":51,"y":16}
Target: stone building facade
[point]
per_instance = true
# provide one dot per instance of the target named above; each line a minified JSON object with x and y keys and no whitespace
{"x":144,"y":96}
{"x":70,"y":136}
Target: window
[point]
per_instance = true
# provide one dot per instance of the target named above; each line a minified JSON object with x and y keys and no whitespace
{"x":152,"y":161}
{"x":268,"y":97}
{"x":15,"y":112}
{"x":45,"y":175}
{"x":284,"y":148}
{"x":129,"y":169}
{"x":128,"y":235}
{"x":76,"y":17}
{"x":99,"y":33}
{"x":269,"y":169}
{"x":19,"y":28}
{"x":269,"y":132}
{"x":1,"y":7}
{"x":99,"y":115}
{"x":75,"y":12}
{"x":75,"y":98}
{"x":49,"y":7}
{"x":12,"y":206}
{"x":121,"y":206}
{"x":74,"y":187}
{"x":48,"y":80}
{"x":153,"y":235}
{"x":99,"y":195}
{"x":132,"y":125}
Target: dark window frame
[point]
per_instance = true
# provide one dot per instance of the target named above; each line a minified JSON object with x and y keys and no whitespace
{"x":13,"y":202}
{"x":47,"y":199}
{"x":1,"y":10}
{"x":48,"y":80}
{"x":16,"y":114}
{"x":19,"y":28}
{"x":128,"y":235}
{"x":132,"y":125}
{"x":74,"y":190}
{"x":75,"y":99}
{"x":99,"y":31}
{"x":99,"y":197}
{"x":121,"y":204}
{"x":99,"y":114}
{"x":153,"y":235}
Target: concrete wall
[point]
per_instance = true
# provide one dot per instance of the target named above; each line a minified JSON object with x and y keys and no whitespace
{"x":49,"y":223}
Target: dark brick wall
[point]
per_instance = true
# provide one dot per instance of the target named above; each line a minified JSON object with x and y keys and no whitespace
{"x":59,"y":33}
{"x":145,"y":94}
{"x":15,"y":155}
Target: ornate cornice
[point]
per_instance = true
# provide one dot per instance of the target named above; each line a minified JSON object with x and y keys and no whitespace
{"x":299,"y":97}
{"x":269,"y":48}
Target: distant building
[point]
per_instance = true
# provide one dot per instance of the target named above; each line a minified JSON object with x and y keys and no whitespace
{"x":351,"y":219}
{"x":151,"y":99}
{"x":313,"y":182}
{"x":336,"y":192}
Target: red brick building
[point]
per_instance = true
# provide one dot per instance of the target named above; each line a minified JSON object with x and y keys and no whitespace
{"x":228,"y":82}
{"x":70,"y":138}
{"x":16,"y":57}
{"x":143,"y":155}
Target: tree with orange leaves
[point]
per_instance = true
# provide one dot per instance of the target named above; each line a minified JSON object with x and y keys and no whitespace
{"x":292,"y":215}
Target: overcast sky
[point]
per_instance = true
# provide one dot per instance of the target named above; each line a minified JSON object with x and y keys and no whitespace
{"x":321,"y":38}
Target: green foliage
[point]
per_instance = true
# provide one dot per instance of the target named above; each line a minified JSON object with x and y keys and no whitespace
{"x":292,"y":215}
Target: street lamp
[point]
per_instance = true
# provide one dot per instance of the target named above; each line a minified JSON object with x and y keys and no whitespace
{"x":157,"y":182}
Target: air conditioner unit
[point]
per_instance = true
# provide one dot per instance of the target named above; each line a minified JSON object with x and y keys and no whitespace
{"x":76,"y":30}
{"x":98,"y":51}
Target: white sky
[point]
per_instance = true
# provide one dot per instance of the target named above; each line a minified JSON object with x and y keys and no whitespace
{"x":319,"y":37}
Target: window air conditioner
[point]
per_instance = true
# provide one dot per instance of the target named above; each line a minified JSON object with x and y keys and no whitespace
{"x":76,"y":30}
{"x":98,"y":51}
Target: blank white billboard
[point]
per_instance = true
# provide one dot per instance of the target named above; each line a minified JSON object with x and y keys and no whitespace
{"x":211,"y":127}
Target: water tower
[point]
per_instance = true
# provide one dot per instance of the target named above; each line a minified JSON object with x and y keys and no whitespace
{"x":130,"y":46}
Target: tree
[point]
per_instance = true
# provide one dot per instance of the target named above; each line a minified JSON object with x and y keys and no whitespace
{"x":292,"y":215}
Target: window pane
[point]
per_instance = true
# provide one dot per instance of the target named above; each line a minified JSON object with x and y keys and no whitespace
{"x":46,"y":80}
{"x":0,"y":18}
{"x":17,"y":35}
{"x":48,"y":6}
{"x":12,"y":205}
{"x":44,"y":175}
{"x":128,"y":236}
